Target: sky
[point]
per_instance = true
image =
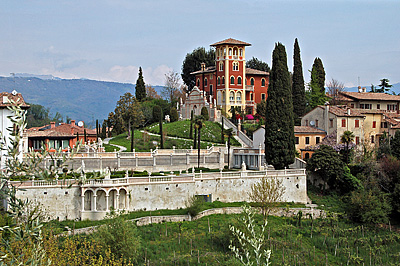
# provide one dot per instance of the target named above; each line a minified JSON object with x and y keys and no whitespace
{"x":358,"y":41}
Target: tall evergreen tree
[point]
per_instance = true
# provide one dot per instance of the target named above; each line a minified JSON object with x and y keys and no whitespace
{"x":279,"y":125}
{"x":319,"y":77}
{"x":140,"y":90}
{"x":298,"y":89}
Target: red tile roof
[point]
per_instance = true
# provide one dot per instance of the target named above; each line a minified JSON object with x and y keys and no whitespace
{"x":210,"y":69}
{"x":231,"y":41}
{"x":62,"y":130}
{"x":370,"y":96}
{"x":343,"y":110}
{"x":256,"y":72}
{"x":7,"y":97}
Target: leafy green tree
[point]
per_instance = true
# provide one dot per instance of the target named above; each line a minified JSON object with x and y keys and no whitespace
{"x":298,"y":89}
{"x":194,"y":205}
{"x":384,"y":86}
{"x":192,"y":63}
{"x":384,"y":148}
{"x":257,"y":64}
{"x":279,"y":126}
{"x":347,"y":138}
{"x":37,"y":115}
{"x":204,"y":113}
{"x":395,"y":144}
{"x":121,"y":237}
{"x":174,"y":114}
{"x":140,"y":89}
{"x":157,"y":113}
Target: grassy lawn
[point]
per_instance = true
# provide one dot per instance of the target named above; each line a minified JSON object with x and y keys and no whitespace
{"x":210,"y":132}
{"x":110,"y":148}
{"x":145,"y":143}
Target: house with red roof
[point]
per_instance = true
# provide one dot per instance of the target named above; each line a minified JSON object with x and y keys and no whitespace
{"x":229,"y":83}
{"x":56,"y":136}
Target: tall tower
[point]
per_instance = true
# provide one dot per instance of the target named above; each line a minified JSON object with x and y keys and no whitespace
{"x":230,"y":72}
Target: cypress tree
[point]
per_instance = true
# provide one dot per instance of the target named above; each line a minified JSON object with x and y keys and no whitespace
{"x":222,"y":131}
{"x":84,"y":135}
{"x":279,"y":126}
{"x":140,"y":90}
{"x":298,"y":89}
{"x":104,"y":130}
{"x":319,"y":77}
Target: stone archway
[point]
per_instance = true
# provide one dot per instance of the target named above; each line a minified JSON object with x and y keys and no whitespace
{"x":101,"y":201}
{"x":88,"y":200}
{"x":112,"y":199}
{"x":122,"y":199}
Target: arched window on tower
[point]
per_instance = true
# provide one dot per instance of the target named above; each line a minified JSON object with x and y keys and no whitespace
{"x":252,"y":81}
{"x":224,"y":51}
{"x":232,"y":96}
{"x":219,"y":81}
{"x":230,"y":51}
{"x":238,"y":97}
{"x":211,"y":89}
{"x":223,"y":80}
{"x":221,"y":66}
{"x":239,"y":80}
{"x":232,"y":80}
{"x":263,"y":82}
{"x":235,"y":51}
{"x":240,"y":52}
{"x":205,"y":82}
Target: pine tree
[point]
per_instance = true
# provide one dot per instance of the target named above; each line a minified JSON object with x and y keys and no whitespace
{"x":298,"y":90}
{"x":316,"y":92}
{"x":279,"y":126}
{"x":140,"y":87}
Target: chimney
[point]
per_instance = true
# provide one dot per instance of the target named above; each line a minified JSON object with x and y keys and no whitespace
{"x":203,"y":66}
{"x":52,"y":125}
{"x":364,"y":89}
{"x":348,"y":111}
{"x":72,"y":122}
{"x":359,"y":89}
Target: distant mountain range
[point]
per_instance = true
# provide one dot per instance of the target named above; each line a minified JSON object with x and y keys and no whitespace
{"x":79,"y":99}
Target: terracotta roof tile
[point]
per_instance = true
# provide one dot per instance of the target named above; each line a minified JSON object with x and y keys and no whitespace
{"x":255,"y":72}
{"x":370,"y":96}
{"x":7,"y":97}
{"x":308,"y":129}
{"x":209,"y":69}
{"x":343,"y":110}
{"x":231,"y":41}
{"x":59,"y":130}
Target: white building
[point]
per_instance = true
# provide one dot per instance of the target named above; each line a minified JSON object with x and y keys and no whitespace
{"x":6,"y":126}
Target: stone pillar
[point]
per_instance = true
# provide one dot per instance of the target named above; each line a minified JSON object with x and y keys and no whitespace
{"x":83,"y":201}
{"x":94,"y":202}
{"x":117,"y":203}
{"x":187,"y":158}
{"x":107,"y":208}
{"x":154,"y":160}
{"x":171,"y":158}
{"x":118,"y":160}
{"x":101,"y":164}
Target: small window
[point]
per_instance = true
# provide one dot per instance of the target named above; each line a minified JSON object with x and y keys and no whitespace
{"x":357,"y":123}
{"x":316,"y":122}
{"x":240,"y":52}
{"x":317,"y":140}
{"x":198,"y":82}
{"x":252,"y":82}
{"x":372,"y":139}
{"x":230,"y":51}
{"x":251,"y":96}
{"x":205,"y":82}
{"x":307,"y":156}
{"x":357,"y":140}
{"x":378,"y":106}
{"x":221,"y":66}
{"x":263,"y":83}
{"x":235,"y":51}
{"x":211,"y":89}
{"x":307,"y":140}
{"x":331,"y":122}
{"x":235,"y":66}
{"x":232,"y":80}
{"x":343,"y":122}
{"x":373,"y":124}
{"x":232,"y":96}
{"x":352,"y":105}
{"x":223,"y":80}
{"x":297,"y":140}
{"x":219,"y":81}
{"x":239,"y":81}
{"x":262,"y":96}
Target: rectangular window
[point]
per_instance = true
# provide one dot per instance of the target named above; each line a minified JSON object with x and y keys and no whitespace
{"x":306,"y":123}
{"x":357,"y":140}
{"x":392,"y":107}
{"x":331,"y":122}
{"x":343,"y":122}
{"x":297,"y":140}
{"x":384,"y":125}
{"x":65,"y":143}
{"x":307,"y":140}
{"x":374,"y":124}
{"x":317,"y":140}
{"x":357,"y":123}
{"x":378,"y":106}
{"x":51,"y":144}
{"x":316,"y":122}
{"x":366,"y":106}
{"x":352,"y":105}
{"x":372,"y":139}
{"x":262,"y":96}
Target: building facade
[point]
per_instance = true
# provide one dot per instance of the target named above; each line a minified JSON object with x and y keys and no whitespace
{"x":229,"y":82}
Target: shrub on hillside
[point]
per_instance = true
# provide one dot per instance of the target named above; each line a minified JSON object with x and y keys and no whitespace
{"x":194,"y":205}
{"x":174,"y":114}
{"x":204,"y":113}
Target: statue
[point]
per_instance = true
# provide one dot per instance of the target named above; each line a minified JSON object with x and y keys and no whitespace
{"x":107,"y":174}
{"x":243,"y":166}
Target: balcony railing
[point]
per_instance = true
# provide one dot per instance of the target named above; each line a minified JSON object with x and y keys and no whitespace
{"x":249,"y":102}
{"x":249,"y":87}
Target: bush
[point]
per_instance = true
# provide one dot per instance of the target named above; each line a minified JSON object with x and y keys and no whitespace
{"x":194,"y":205}
{"x":121,"y":237}
{"x":369,"y":206}
{"x":174,"y":115}
{"x":204,"y":113}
